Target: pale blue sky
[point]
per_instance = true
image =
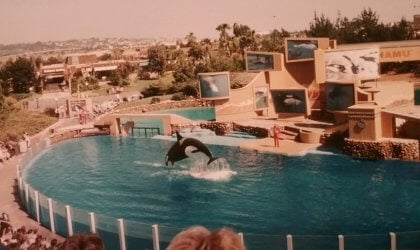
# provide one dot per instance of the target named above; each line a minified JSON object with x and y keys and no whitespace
{"x":43,"y":20}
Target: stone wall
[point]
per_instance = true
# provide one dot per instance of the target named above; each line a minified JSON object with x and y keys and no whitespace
{"x":54,"y":138}
{"x":164,"y":105}
{"x":222,"y":128}
{"x":392,"y":148}
{"x":255,"y":131}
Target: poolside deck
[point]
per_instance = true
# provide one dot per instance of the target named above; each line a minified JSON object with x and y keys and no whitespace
{"x":286,"y":147}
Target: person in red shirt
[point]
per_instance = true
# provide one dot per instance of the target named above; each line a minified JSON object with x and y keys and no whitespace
{"x":276,"y":135}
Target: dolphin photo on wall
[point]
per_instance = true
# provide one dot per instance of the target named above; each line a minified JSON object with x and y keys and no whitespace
{"x":290,"y":100}
{"x":300,"y":49}
{"x":259,"y":61}
{"x":215,"y":85}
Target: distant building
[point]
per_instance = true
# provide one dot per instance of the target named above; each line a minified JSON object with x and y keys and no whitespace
{"x":58,"y":77}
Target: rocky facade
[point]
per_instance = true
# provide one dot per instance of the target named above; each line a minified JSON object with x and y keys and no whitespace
{"x":393,"y":148}
{"x":223,"y":128}
{"x":164,"y":105}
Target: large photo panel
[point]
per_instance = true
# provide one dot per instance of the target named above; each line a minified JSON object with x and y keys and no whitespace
{"x":290,"y":101}
{"x":261,"y":97}
{"x":350,"y":65}
{"x":214,"y":86}
{"x":298,"y":49}
{"x":340,"y":96}
{"x":262,"y":61}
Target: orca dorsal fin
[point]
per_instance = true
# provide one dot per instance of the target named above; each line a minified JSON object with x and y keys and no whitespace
{"x":178,"y":135}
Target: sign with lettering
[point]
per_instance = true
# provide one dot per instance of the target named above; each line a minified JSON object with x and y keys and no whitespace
{"x":399,"y":54}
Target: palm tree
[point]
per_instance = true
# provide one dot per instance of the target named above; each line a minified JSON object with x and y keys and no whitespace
{"x":191,"y":39}
{"x":206,"y":43}
{"x":224,"y":37}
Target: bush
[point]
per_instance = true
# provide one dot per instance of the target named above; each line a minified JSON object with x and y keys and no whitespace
{"x":154,"y":90}
{"x":21,"y":96}
{"x":11,"y":104}
{"x":155,"y":100}
{"x":50,"y":112}
{"x":178,"y":97}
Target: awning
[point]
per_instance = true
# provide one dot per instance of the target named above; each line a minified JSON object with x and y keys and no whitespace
{"x":105,"y":68}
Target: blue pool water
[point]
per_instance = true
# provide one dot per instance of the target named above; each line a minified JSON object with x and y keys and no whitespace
{"x":261,"y":193}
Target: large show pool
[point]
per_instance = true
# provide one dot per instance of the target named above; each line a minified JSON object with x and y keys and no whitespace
{"x":316,"y":194}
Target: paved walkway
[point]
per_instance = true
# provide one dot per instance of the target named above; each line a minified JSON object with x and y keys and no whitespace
{"x":9,"y":199}
{"x":286,"y":147}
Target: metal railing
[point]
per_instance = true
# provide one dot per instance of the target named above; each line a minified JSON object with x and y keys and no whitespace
{"x":145,"y":131}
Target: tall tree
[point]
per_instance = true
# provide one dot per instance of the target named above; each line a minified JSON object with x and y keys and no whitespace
{"x":207,"y":45}
{"x":367,"y":22}
{"x":402,"y":30}
{"x":224,"y":37}
{"x":191,"y":39}
{"x":274,"y":42}
{"x":321,"y":26}
{"x":18,"y":74}
{"x":347,"y":31}
{"x":196,"y":52}
{"x":245,"y":37}
{"x":157,"y":58}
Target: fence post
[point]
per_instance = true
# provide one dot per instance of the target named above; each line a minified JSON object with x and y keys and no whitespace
{"x":241,"y":236}
{"x":27,"y":197}
{"x":393,"y":241}
{"x":155,"y":235}
{"x":289,"y":242}
{"x":37,"y":207}
{"x":92,"y":222}
{"x":69,"y":220}
{"x":51,"y":212}
{"x":340,"y":242}
{"x":20,"y":185}
{"x":121,"y":234}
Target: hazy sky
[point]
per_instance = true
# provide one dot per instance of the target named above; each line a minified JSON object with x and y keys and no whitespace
{"x":43,"y":20}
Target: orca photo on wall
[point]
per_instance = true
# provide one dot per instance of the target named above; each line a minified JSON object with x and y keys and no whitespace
{"x":300,"y":49}
{"x":215,"y":85}
{"x":290,"y":100}
{"x":339,"y":96}
{"x":259,"y":61}
{"x":350,"y":65}
{"x":261,"y":97}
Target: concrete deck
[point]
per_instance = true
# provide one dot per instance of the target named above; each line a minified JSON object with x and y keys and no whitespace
{"x":286,"y":147}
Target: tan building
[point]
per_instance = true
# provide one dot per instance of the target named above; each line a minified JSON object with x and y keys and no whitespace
{"x":314,"y":81}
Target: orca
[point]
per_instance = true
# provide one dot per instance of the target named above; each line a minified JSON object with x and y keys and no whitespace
{"x":177,"y":151}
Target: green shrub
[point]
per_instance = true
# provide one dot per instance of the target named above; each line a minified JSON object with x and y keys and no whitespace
{"x":178,"y":97}
{"x":11,"y":104}
{"x":155,"y":100}
{"x":50,"y":112}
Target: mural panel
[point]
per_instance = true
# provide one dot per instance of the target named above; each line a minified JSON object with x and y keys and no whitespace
{"x":350,"y":65}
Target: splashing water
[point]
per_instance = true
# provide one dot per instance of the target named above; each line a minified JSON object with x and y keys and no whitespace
{"x":218,"y":170}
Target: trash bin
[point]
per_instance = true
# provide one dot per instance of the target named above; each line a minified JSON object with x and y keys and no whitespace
{"x":23,"y":146}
